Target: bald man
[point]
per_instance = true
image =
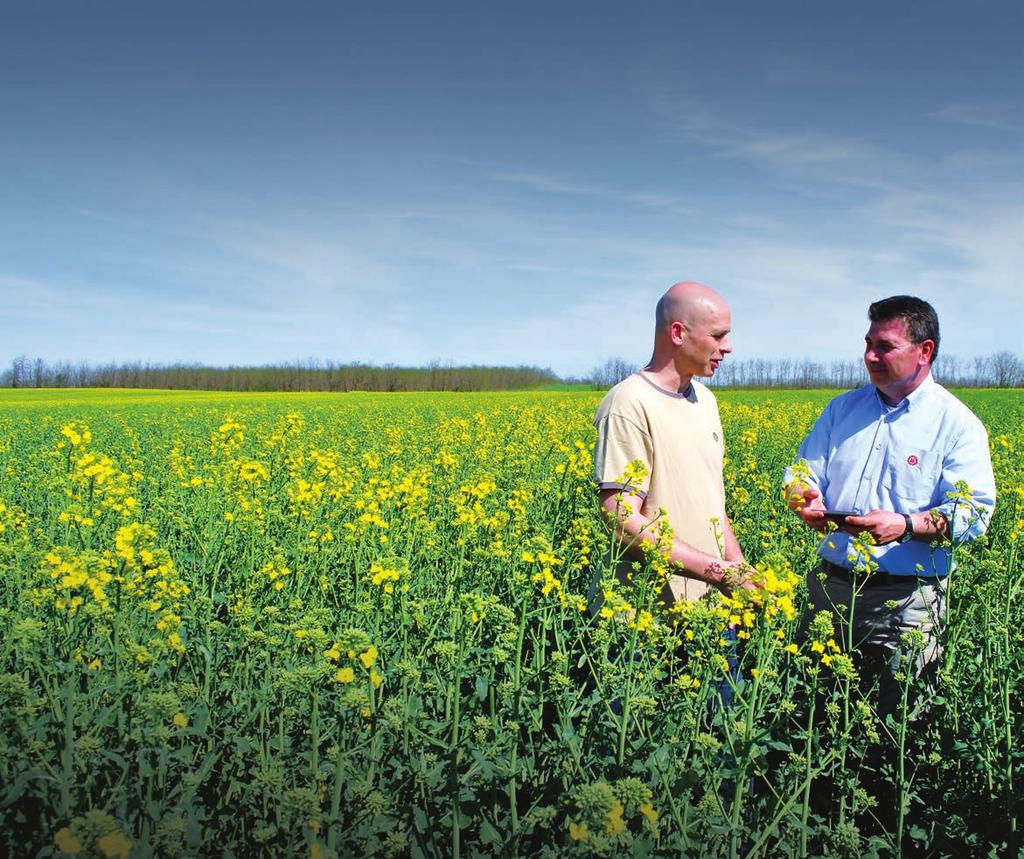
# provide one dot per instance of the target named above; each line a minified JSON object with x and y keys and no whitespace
{"x":666,"y":420}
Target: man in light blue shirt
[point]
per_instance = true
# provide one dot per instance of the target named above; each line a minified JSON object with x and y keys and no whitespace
{"x":911,"y":463}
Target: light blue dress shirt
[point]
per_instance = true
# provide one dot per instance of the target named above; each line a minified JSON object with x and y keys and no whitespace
{"x":865,"y":455}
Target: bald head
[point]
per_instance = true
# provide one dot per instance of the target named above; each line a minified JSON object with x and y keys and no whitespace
{"x":692,"y":333}
{"x":688,"y":302}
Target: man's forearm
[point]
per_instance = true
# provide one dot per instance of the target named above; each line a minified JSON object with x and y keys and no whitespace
{"x":636,"y":531}
{"x":731,"y":546}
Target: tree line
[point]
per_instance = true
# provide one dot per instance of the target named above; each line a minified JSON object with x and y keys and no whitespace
{"x":998,"y":370}
{"x":309,"y":375}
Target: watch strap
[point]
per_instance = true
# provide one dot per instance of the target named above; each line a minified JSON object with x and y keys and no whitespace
{"x":908,"y":533}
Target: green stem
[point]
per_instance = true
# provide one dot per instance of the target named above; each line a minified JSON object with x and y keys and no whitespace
{"x":624,"y":718}
{"x":314,"y":730}
{"x":805,"y":810}
{"x":901,"y":785}
{"x":513,"y":801}
{"x":339,"y":781}
{"x":67,"y":756}
{"x":453,"y":772}
{"x":757,"y":849}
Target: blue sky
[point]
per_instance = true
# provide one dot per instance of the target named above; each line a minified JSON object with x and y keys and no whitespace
{"x":515,"y":183}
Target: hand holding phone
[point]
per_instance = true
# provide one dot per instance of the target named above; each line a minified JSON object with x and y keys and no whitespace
{"x":838,"y":516}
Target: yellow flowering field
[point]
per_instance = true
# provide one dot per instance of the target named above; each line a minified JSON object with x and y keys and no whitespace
{"x":356,"y":625}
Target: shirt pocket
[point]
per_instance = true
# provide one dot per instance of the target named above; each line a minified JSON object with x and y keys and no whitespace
{"x":914,"y":474}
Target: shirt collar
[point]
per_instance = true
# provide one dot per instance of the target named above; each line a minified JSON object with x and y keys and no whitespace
{"x":911,"y":400}
{"x":686,"y":394}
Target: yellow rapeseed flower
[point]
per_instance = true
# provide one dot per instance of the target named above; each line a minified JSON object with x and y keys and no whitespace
{"x":647,"y":810}
{"x":66,"y":841}
{"x":345,"y":675}
{"x":114,"y":844}
{"x":613,"y":822}
{"x":78,"y":434}
{"x":578,"y":831}
{"x":252,"y":471}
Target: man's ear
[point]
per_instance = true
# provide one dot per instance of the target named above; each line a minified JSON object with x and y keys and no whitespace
{"x":927,"y":350}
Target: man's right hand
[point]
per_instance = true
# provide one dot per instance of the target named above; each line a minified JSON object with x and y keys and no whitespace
{"x":806,"y":502}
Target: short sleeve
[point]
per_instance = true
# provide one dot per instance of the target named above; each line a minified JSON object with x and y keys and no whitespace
{"x":621,"y":444}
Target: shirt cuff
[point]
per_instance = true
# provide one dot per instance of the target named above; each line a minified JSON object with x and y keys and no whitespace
{"x":632,"y":490}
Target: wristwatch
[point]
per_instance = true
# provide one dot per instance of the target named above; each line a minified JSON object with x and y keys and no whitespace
{"x":908,"y":534}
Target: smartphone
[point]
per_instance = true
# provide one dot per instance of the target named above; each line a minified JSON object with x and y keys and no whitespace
{"x":839,"y":516}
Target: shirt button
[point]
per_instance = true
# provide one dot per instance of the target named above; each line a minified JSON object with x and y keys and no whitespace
{"x":878,"y":447}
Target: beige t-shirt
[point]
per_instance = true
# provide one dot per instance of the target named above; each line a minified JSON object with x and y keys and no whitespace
{"x":678,"y":436}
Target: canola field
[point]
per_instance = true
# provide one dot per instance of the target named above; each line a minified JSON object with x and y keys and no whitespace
{"x":355,"y":625}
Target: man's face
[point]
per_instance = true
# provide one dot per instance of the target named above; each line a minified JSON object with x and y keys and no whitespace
{"x":892,"y":359}
{"x":706,"y":342}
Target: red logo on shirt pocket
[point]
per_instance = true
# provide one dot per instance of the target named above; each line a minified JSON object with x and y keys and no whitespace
{"x":912,"y":460}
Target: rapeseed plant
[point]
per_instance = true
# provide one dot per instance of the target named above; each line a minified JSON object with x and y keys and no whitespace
{"x":234,"y":617}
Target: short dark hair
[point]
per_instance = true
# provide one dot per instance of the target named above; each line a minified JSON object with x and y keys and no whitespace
{"x":921,"y":318}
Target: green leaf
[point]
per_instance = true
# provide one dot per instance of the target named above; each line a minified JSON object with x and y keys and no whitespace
{"x":488,"y":834}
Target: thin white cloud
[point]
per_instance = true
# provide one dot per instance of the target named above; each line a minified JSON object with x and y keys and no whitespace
{"x":1005,"y":117}
{"x":801,"y":149}
{"x":962,"y":207}
{"x":547,"y":183}
{"x":771,"y":147}
{"x":987,"y":237}
{"x":788,"y":70}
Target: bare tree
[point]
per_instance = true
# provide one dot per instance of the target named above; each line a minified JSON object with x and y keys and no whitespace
{"x":982,"y":371}
{"x":19,"y":372}
{"x":1007,"y":370}
{"x":611,"y":372}
{"x":948,"y":371}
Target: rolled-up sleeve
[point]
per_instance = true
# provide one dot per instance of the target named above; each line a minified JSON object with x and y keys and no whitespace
{"x":968,"y":484}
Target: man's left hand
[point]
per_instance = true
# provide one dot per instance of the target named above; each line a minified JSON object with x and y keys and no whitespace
{"x":736,"y":576}
{"x":884,"y":525}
